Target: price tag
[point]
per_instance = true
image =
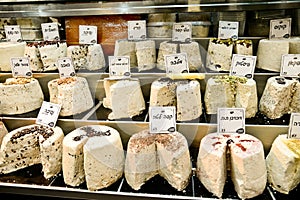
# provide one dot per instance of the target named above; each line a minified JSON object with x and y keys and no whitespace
{"x":294,"y":127}
{"x":242,"y":66}
{"x":137,"y":30}
{"x":162,"y":119}
{"x":13,"y":33}
{"x":87,"y":34}
{"x":228,"y":29}
{"x":65,"y":67}
{"x":20,"y":67}
{"x":280,"y":28}
{"x":48,"y":114}
{"x":290,"y":65}
{"x":50,"y":31}
{"x":182,"y":32}
{"x":119,"y":67}
{"x":231,"y":120}
{"x":176,"y":63}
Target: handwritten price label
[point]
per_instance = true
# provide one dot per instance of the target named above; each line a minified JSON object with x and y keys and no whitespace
{"x":13,"y":33}
{"x":162,"y":119}
{"x":294,"y":127}
{"x":119,"y":67}
{"x":48,"y":114}
{"x":20,"y":67}
{"x":137,"y":30}
{"x":176,"y":63}
{"x":228,"y":29}
{"x":231,"y":120}
{"x":280,"y":28}
{"x":87,"y":34}
{"x":50,"y":31}
{"x":243,"y":66}
{"x":290,"y":65}
{"x":182,"y":32}
{"x":65,"y":67}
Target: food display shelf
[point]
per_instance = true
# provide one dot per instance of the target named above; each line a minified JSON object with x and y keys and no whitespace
{"x":59,"y":9}
{"x":31,"y":182}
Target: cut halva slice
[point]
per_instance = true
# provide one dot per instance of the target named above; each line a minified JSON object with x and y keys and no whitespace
{"x":10,"y":50}
{"x":72,"y":93}
{"x":283,"y":164}
{"x":151,"y":154}
{"x":32,"y":144}
{"x":235,"y":92}
{"x":219,"y":54}
{"x":20,"y":95}
{"x":124,"y":98}
{"x":247,"y":164}
{"x":93,"y":154}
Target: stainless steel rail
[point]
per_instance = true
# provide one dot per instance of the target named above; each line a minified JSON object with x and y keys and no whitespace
{"x":60,"y":9}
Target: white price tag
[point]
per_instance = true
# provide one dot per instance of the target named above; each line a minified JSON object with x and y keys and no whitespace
{"x":176,"y":63}
{"x":119,"y":67}
{"x":290,"y":65}
{"x":280,"y":28}
{"x":48,"y":114}
{"x":87,"y":34}
{"x":162,"y":119}
{"x":182,"y":32}
{"x":228,"y":29}
{"x":294,"y":127}
{"x":65,"y":67}
{"x":231,"y":120}
{"x":20,"y":67}
{"x":243,"y":66}
{"x":50,"y":31}
{"x":13,"y":33}
{"x":137,"y":30}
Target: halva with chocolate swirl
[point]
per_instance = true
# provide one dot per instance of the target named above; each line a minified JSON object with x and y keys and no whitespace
{"x":150,"y":154}
{"x":20,"y":95}
{"x":30,"y":145}
{"x":87,"y":57}
{"x":93,"y":154}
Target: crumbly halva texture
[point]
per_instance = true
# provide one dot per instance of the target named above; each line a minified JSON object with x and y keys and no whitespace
{"x":235,"y":91}
{"x":191,"y":49}
{"x":20,"y":95}
{"x":219,"y":54}
{"x":93,"y":154}
{"x":246,"y":164}
{"x":280,"y":96}
{"x":152,"y":154}
{"x":146,"y":55}
{"x":165,"y":48}
{"x":33,"y":54}
{"x":50,"y":52}
{"x":89,"y":57}
{"x":32,"y":144}
{"x":283,"y":164}
{"x":129,"y":91}
{"x":72,"y":93}
{"x":185,"y":95}
{"x":126,"y":48}
{"x":10,"y":50}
